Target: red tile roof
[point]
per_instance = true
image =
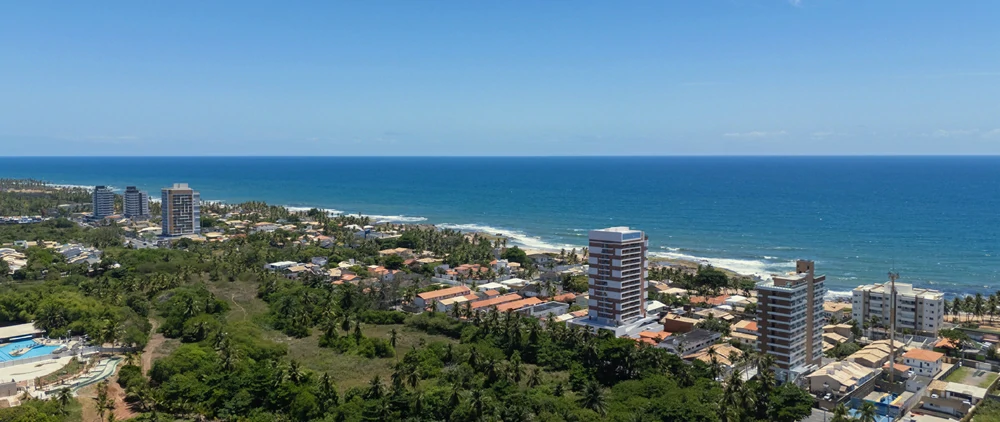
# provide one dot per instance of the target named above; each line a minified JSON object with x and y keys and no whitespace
{"x":923,"y":355}
{"x":518,"y":304}
{"x":496,"y":300}
{"x":451,"y":291}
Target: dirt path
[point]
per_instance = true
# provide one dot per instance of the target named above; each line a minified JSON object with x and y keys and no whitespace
{"x":233,"y":298}
{"x":155,"y":341}
{"x":88,"y":400}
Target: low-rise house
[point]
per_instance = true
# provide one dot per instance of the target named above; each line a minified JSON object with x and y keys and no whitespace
{"x":836,"y":310}
{"x":839,"y":379}
{"x":518,"y":304}
{"x":673,"y":291}
{"x":721,"y":354}
{"x":745,"y":331}
{"x":924,"y":362}
{"x":715,"y":313}
{"x":711,"y":300}
{"x":952,"y":398}
{"x":424,"y":299}
{"x":690,"y":342}
{"x":544,"y":310}
{"x":491,"y":286}
{"x":875,"y":354}
{"x":265,"y":227}
{"x":678,"y":324}
{"x":320,"y":260}
{"x":654,"y":307}
{"x":843,"y":330}
{"x":487,"y":304}
{"x":280,"y":265}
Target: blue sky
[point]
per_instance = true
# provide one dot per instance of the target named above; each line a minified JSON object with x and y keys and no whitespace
{"x":422,"y":77}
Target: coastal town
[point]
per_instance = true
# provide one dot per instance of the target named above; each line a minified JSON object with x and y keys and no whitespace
{"x":893,"y":351}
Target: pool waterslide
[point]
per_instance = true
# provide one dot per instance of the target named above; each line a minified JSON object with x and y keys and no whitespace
{"x":104,"y":369}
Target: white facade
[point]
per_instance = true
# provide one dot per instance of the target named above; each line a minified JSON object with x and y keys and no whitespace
{"x":920,"y":310}
{"x":103,"y":202}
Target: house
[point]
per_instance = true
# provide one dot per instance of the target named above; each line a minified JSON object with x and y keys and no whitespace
{"x":720,"y":353}
{"x":839,"y":311}
{"x":518,"y":304}
{"x":673,"y":291}
{"x":280,"y":265}
{"x":875,"y":354}
{"x":320,"y":260}
{"x":490,"y":303}
{"x":447,"y":304}
{"x":541,"y":258}
{"x":952,"y":398}
{"x":924,"y":362}
{"x":491,"y":286}
{"x":842,"y":330}
{"x":325,"y":241}
{"x":744,"y":331}
{"x":840,"y":379}
{"x":654,"y":307}
{"x":674,"y":323}
{"x":565,"y":298}
{"x":715,"y":313}
{"x":264,"y":227}
{"x":711,"y":301}
{"x":690,"y":342}
{"x":425,"y":298}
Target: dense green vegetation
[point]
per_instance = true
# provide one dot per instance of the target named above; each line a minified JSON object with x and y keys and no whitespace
{"x":33,"y":197}
{"x":478,"y":367}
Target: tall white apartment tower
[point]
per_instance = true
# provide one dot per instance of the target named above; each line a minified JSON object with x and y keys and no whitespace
{"x":790,"y":321}
{"x":617,"y":279}
{"x":181,"y":210}
{"x":103,"y":202}
{"x":136,"y":203}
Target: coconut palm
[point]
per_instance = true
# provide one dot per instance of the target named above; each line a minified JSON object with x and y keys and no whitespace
{"x":592,"y":398}
{"x":867,"y":412}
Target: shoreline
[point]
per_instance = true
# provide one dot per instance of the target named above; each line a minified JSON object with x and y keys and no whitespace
{"x":747,"y":267}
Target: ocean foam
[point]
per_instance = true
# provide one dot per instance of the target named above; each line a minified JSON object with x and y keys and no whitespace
{"x":740,"y":266}
{"x":329,"y":211}
{"x":396,"y":218}
{"x":516,"y":237}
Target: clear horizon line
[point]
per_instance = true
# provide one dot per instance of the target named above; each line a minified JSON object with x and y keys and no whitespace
{"x":526,"y":156}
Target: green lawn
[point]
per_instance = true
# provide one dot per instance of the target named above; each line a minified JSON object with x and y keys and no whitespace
{"x":988,"y":379}
{"x":959,"y":374}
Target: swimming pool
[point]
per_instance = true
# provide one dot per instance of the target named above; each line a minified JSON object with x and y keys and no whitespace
{"x":37,"y":349}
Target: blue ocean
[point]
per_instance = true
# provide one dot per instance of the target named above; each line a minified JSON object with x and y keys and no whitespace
{"x":936,"y":220}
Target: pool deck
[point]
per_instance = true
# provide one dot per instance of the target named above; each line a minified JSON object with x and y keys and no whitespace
{"x":31,"y":371}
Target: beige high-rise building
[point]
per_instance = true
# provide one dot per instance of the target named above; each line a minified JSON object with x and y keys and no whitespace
{"x":181,"y":210}
{"x":790,"y":321}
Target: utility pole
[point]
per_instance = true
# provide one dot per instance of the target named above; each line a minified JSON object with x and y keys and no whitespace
{"x":892,"y":324}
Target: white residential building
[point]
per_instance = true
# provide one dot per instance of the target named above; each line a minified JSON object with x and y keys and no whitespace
{"x":924,"y":362}
{"x":917,"y":309}
{"x":103,"y":202}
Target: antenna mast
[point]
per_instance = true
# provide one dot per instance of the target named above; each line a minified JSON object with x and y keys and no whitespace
{"x":892,"y":325}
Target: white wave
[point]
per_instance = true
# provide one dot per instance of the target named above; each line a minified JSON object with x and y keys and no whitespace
{"x":397,"y":218}
{"x":740,"y":266}
{"x":838,"y":295}
{"x":85,"y":187}
{"x":329,"y":211}
{"x":770,"y":257}
{"x":516,"y":237}
{"x":670,"y":249}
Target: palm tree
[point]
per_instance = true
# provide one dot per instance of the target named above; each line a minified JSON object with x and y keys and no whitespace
{"x":534,"y":378}
{"x":867,"y":412}
{"x":392,"y":337}
{"x":64,"y":397}
{"x":840,"y":414}
{"x":592,"y":398}
{"x":978,"y":306}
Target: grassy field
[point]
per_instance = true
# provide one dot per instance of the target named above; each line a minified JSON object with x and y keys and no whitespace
{"x":348,"y":370}
{"x":959,"y":374}
{"x":351,"y":370}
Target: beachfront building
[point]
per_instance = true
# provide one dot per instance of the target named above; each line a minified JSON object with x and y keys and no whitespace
{"x":103,"y":202}
{"x":790,"y":321}
{"x":617,"y":280}
{"x":181,"y":207}
{"x":919,"y":310}
{"x":136,"y":203}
